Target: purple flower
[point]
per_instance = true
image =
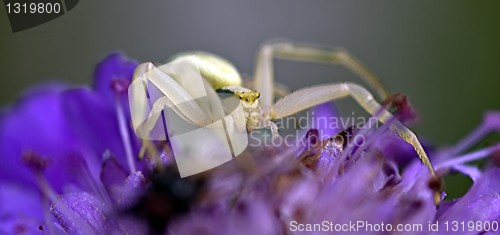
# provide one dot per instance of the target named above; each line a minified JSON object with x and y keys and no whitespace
{"x":72,"y":165}
{"x":68,"y":130}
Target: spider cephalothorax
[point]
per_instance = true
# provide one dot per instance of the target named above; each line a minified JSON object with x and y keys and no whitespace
{"x":249,"y":100}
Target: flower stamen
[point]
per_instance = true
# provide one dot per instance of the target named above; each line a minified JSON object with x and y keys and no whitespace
{"x":122,"y":125}
{"x":469,"y":157}
{"x":490,"y":123}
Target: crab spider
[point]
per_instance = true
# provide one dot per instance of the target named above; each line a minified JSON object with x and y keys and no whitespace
{"x":257,"y":104}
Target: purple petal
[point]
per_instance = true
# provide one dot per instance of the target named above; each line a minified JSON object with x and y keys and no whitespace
{"x":348,"y":194}
{"x":37,"y":124}
{"x":95,"y":123}
{"x":20,"y":209}
{"x":473,"y":172}
{"x":67,"y":129}
{"x":443,"y":207}
{"x":127,"y":225}
{"x":323,"y":119}
{"x":60,"y":127}
{"x":355,"y":196}
{"x":112,"y":73}
{"x":112,"y":177}
{"x":199,"y":224}
{"x":251,"y":217}
{"x":481,"y":203}
{"x":134,"y":185}
{"x":492,"y":120}
{"x":79,"y":213}
{"x":396,"y":149}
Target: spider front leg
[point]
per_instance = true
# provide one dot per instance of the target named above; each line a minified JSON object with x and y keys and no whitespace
{"x":173,"y":101}
{"x":312,"y":96}
{"x":153,"y":90}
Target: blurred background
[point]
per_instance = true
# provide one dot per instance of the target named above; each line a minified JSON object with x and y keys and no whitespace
{"x":445,"y":55}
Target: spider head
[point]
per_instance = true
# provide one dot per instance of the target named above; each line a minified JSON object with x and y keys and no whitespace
{"x":248,"y":97}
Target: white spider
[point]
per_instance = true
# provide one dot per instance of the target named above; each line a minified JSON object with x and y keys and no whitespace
{"x":257,"y":104}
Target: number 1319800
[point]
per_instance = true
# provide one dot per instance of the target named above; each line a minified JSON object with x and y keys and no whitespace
{"x":33,"y":8}
{"x":478,"y":226}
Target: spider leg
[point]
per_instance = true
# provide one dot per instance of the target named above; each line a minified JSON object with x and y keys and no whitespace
{"x":153,"y":89}
{"x":311,"y":96}
{"x":303,"y":52}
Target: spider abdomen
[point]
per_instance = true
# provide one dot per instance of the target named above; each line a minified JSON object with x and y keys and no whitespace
{"x":218,"y":71}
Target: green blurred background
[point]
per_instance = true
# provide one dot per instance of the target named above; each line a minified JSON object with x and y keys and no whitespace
{"x":445,"y":55}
